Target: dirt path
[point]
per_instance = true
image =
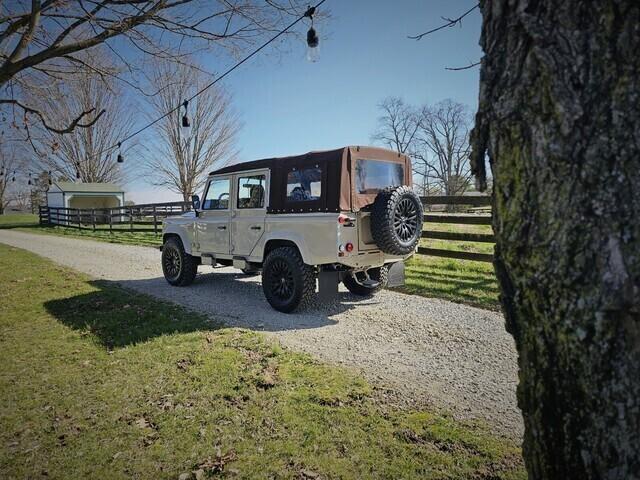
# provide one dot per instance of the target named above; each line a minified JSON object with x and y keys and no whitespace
{"x":452,"y":356}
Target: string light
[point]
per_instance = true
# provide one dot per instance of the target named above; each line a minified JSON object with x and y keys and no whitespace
{"x":120,"y":157}
{"x":29,"y":182}
{"x":185,"y":118}
{"x":312,"y":43}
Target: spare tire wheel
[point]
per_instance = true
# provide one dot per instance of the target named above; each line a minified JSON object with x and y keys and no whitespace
{"x":396,"y":220}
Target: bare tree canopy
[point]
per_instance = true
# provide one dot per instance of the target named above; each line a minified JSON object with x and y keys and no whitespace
{"x":10,"y":162}
{"x":559,"y":119}
{"x":397,"y":125}
{"x":78,"y":154}
{"x":48,"y":40}
{"x":442,"y":145}
{"x":181,"y":157}
{"x":435,"y":136}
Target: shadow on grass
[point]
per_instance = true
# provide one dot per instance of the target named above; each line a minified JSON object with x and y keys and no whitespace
{"x":118,"y":317}
{"x":128,"y":312}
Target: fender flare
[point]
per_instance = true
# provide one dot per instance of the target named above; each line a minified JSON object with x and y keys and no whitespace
{"x":287,"y":236}
{"x":174,"y":230}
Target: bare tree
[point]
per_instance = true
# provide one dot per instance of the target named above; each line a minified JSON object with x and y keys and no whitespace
{"x":397,"y":129}
{"x":442,"y":147}
{"x":397,"y":125}
{"x":79,"y":154}
{"x":49,"y":40}
{"x":20,"y":199}
{"x":182,"y":157}
{"x":10,"y":166}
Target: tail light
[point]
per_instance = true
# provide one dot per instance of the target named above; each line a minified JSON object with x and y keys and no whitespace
{"x":349,"y":247}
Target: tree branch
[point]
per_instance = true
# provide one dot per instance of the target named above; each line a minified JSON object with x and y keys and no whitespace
{"x":68,"y":129}
{"x":450,"y":23}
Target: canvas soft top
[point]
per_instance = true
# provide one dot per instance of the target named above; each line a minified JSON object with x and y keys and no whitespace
{"x":338,"y":171}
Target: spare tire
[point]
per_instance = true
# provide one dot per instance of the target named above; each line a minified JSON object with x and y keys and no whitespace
{"x":396,"y":220}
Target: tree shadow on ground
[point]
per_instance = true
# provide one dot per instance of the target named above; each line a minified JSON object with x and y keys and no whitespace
{"x":118,"y":317}
{"x":128,"y":312}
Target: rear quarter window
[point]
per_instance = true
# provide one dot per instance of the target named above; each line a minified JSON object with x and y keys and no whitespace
{"x":304,"y":185}
{"x":373,"y":176}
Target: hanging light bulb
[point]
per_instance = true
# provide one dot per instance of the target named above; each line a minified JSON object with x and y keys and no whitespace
{"x":29,"y":182}
{"x":49,"y":178}
{"x":78,"y":174}
{"x":120,"y":158}
{"x":313,"y":42}
{"x":185,"y":119}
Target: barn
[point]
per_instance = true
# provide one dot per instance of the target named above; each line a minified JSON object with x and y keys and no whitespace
{"x":84,"y":195}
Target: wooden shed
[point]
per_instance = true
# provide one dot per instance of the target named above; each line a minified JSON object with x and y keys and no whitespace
{"x":84,"y":195}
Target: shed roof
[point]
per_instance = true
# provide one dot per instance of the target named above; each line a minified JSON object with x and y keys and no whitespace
{"x":88,"y":187}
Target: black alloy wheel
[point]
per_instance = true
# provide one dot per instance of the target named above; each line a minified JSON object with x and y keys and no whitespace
{"x":287,"y":282}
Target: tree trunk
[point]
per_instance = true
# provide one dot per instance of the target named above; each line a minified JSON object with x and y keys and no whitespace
{"x":559,"y":117}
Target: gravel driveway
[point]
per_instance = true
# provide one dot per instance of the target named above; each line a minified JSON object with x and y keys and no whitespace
{"x":432,"y":351}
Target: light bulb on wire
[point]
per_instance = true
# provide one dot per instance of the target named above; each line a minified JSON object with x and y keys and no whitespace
{"x":185,"y":118}
{"x":313,"y":42}
{"x":120,"y":158}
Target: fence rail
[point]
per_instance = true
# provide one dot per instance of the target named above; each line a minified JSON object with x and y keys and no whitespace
{"x":148,"y":218}
{"x":135,"y":218}
{"x":458,"y":219}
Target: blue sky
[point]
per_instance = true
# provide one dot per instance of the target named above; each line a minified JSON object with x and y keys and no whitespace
{"x":288,"y":105}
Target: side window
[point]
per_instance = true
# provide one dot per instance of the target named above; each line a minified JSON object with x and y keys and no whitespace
{"x":304,"y":185}
{"x":251,"y":191}
{"x":217,"y":196}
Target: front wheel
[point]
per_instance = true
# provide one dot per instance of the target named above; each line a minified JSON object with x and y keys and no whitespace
{"x":287,"y":281}
{"x":178,"y":266}
{"x":366,"y":283}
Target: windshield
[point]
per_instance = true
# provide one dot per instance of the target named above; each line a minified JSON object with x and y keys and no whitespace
{"x":373,"y":176}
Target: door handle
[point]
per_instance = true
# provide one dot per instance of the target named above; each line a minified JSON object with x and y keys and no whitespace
{"x":222,"y":227}
{"x":256,"y":227}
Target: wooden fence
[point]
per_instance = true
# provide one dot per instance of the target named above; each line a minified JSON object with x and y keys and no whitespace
{"x":135,"y":218}
{"x":477,"y":203}
{"x":148,"y":218}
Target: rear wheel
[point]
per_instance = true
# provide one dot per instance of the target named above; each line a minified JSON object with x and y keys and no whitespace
{"x":178,"y":266}
{"x":287,"y":281}
{"x":366,"y":283}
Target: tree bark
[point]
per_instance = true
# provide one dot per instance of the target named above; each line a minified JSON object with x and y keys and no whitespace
{"x":559,"y":117}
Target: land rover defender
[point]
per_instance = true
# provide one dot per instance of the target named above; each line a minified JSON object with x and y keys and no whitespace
{"x":347,"y":215}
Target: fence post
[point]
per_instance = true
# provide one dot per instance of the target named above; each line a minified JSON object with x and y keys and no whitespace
{"x":131,"y":218}
{"x":93,"y":218}
{"x":155,"y":221}
{"x":79,"y":218}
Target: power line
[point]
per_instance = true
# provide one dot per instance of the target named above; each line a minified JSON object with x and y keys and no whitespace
{"x":308,"y":13}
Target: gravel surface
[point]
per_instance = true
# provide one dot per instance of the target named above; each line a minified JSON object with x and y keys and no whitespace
{"x":450,"y":356}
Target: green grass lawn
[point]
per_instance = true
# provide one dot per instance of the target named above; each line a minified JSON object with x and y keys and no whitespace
{"x":100,"y":382}
{"x":13,"y":220}
{"x":29,"y":223}
{"x":460,"y":281}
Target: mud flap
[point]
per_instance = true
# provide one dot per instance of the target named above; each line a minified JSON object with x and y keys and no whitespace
{"x":328,"y":285}
{"x":395,"y":276}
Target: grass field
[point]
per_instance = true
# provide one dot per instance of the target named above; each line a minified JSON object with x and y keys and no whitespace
{"x":461,"y":281}
{"x":29,"y":223}
{"x":100,"y":382}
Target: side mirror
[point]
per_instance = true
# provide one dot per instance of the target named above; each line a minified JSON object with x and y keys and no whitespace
{"x":195,"y":203}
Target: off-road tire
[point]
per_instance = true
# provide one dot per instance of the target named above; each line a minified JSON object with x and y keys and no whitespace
{"x":379,"y":274}
{"x":286,"y":263}
{"x":174,"y":256}
{"x":396,"y":220}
